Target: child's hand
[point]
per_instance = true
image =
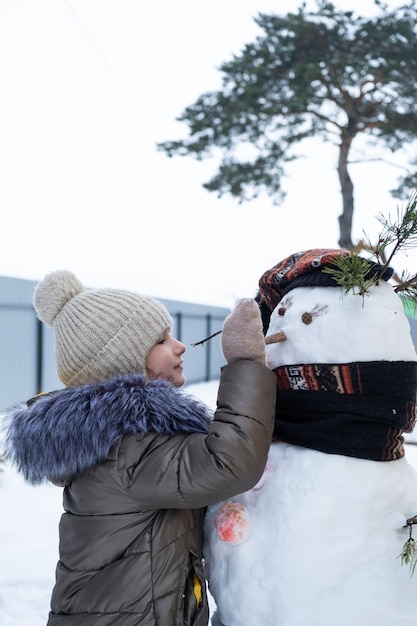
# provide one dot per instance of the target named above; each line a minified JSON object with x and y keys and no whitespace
{"x":242,"y":336}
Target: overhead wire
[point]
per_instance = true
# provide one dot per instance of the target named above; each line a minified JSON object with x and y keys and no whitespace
{"x":128,"y":93}
{"x":107,"y":63}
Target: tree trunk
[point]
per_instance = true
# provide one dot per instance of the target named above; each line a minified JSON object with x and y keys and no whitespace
{"x":345,"y":219}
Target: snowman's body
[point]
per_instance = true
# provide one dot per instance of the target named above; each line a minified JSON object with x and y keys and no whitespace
{"x":316,"y":542}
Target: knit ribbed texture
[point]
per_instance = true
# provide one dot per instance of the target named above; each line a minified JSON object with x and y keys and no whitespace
{"x":99,"y":333}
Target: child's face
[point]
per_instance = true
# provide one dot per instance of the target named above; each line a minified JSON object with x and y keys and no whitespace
{"x":164,"y":360}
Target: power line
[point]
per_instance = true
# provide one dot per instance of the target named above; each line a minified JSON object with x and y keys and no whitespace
{"x":108,"y":65}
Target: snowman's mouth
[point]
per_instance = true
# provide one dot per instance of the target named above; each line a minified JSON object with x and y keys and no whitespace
{"x":275,"y":337}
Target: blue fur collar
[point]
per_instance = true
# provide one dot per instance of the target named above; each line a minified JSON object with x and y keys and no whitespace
{"x":67,"y":432}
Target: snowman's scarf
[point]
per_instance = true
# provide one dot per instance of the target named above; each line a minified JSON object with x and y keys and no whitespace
{"x":354,"y":409}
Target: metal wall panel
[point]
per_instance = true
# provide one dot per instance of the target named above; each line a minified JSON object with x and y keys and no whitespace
{"x":27,"y":351}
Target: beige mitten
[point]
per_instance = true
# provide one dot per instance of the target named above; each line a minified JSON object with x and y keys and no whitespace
{"x":242,"y":336}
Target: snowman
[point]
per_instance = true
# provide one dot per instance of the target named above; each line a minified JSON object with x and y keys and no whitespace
{"x":320,"y":540}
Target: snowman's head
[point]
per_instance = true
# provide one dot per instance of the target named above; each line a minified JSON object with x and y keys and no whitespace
{"x":308,"y":318}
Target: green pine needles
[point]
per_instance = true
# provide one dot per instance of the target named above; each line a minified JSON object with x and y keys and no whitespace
{"x":350,"y":273}
{"x":399,"y":235}
{"x":408,"y":554}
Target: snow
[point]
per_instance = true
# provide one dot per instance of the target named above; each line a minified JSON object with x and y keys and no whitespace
{"x":316,"y":541}
{"x":29,"y":537}
{"x":367,"y":320}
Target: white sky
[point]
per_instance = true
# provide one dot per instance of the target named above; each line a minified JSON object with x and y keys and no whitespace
{"x":88,"y":87}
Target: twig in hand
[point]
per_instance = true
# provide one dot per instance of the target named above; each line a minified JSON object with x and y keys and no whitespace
{"x":200,"y":343}
{"x":275,"y":338}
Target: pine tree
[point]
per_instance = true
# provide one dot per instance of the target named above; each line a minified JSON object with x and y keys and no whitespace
{"x":326,"y":74}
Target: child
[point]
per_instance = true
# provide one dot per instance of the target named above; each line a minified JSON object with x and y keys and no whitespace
{"x":139,"y":460}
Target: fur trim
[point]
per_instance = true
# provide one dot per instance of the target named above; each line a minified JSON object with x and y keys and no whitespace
{"x":67,"y":432}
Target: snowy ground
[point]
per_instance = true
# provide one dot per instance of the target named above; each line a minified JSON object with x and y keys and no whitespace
{"x":29,"y":541}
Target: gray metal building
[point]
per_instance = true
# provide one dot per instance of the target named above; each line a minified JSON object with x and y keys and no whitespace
{"x":27,"y":351}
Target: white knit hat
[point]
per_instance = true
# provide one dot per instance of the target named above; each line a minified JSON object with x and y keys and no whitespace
{"x":98,"y":333}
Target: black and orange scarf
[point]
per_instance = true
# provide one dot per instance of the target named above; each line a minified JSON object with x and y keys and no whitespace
{"x":355,"y":409}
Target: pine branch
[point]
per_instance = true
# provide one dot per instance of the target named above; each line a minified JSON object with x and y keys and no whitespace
{"x":350,"y":273}
{"x":408,"y":288}
{"x":402,"y":233}
{"x":396,"y":236}
{"x":408,"y":554}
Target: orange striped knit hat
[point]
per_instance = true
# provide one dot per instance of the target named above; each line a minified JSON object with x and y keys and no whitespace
{"x":304,"y":269}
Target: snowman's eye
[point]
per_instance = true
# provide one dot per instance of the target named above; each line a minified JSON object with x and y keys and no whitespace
{"x":319,"y":309}
{"x":306,"y":318}
{"x":285,"y":304}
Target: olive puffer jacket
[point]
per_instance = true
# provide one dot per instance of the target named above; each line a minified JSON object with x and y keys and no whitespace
{"x":140,"y":461}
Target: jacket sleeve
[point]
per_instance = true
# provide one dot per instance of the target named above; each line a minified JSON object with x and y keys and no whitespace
{"x":196,"y":470}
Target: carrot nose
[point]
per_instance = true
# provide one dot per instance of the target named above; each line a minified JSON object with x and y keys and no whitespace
{"x":275,"y":338}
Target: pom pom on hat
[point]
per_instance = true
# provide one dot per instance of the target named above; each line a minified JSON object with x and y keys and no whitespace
{"x":99,"y":333}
